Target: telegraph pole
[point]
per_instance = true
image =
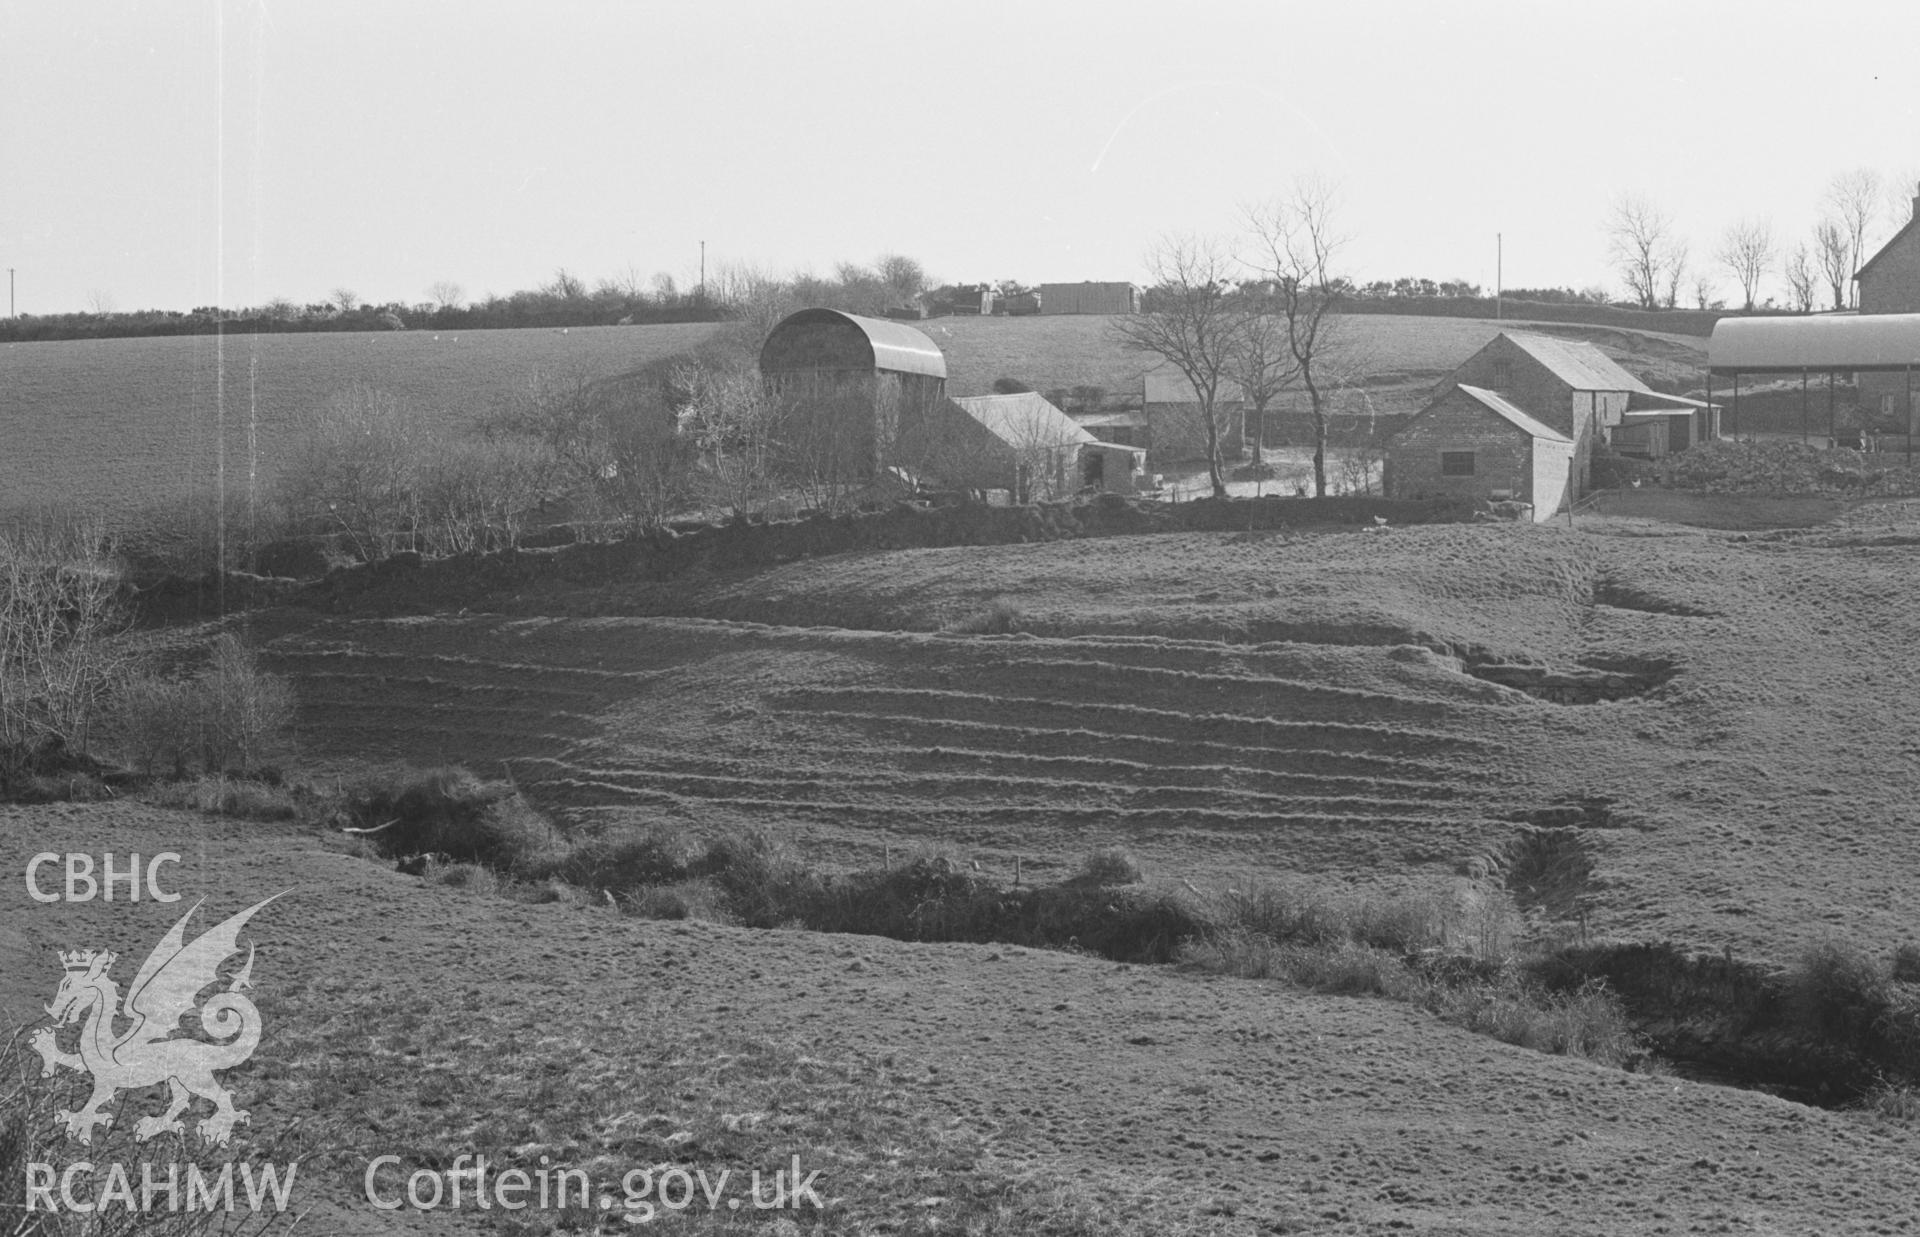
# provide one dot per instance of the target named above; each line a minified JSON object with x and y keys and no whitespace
{"x":703,"y":274}
{"x":10,"y":310}
{"x":1499,"y":281}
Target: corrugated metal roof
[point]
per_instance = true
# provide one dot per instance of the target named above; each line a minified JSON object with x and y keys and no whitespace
{"x":1024,"y":420}
{"x":1577,"y":363}
{"x":1165,"y":384}
{"x":1839,"y":341}
{"x":896,"y":346}
{"x":1521,"y":421}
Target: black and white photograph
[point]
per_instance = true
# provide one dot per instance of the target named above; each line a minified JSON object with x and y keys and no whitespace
{"x":1063,"y":618}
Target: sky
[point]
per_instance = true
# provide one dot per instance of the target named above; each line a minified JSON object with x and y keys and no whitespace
{"x":175,"y":153}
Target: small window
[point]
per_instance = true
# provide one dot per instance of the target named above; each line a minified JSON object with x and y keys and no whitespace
{"x":1456,"y":463}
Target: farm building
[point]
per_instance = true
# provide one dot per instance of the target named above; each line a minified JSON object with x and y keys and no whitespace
{"x":1473,"y":443}
{"x":1890,"y":284}
{"x":1090,"y":298}
{"x":1881,"y":350}
{"x":1575,"y":389}
{"x":966,"y":298}
{"x":863,"y":376}
{"x":1017,"y":304}
{"x":1890,"y":279}
{"x":1170,"y":411}
{"x":1019,"y":443}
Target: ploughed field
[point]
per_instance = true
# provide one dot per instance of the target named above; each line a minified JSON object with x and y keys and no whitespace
{"x":1721,"y":714}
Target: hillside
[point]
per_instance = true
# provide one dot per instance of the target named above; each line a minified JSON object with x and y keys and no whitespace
{"x":1370,"y":707}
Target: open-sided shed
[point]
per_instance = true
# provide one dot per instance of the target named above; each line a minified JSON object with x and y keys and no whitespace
{"x":1884,"y":345}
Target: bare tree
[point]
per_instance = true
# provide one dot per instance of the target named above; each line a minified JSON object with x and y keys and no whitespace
{"x":346,"y":300}
{"x":566,"y":285}
{"x":1299,"y":248}
{"x":1193,"y":327}
{"x":614,"y":442}
{"x":1897,"y":198}
{"x":1263,"y":363}
{"x":447,"y":294}
{"x":1643,"y":248}
{"x":354,"y":470}
{"x":1703,"y":288}
{"x":1747,"y":250}
{"x":1677,"y":255}
{"x":1834,"y":252}
{"x":1803,"y":282}
{"x":1855,"y":199}
{"x":101,"y":301}
{"x":728,"y":416}
{"x":59,"y":606}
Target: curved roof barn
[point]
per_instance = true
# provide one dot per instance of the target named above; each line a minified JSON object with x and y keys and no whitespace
{"x":828,"y":340}
{"x":1849,"y":341}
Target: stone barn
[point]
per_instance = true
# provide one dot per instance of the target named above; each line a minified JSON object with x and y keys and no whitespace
{"x":853,"y":382}
{"x":1019,"y":443}
{"x":1472,"y":443}
{"x":1172,"y":429}
{"x":1575,"y":389}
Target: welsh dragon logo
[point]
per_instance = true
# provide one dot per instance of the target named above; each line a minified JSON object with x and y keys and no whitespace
{"x":165,"y":990}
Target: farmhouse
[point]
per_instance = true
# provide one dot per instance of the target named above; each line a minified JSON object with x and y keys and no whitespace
{"x":1472,"y":443}
{"x":1576,"y":390}
{"x":1090,"y":298}
{"x":1890,"y":280}
{"x":862,"y":378}
{"x":1890,"y":284}
{"x":1024,"y":444}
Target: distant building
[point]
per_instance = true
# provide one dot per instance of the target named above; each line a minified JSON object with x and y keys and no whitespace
{"x":1890,"y":284}
{"x":1470,"y":442}
{"x":1089,"y":298}
{"x":1017,"y":304}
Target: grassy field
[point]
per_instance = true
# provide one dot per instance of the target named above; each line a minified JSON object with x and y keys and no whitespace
{"x":119,"y":425}
{"x":116,"y":425}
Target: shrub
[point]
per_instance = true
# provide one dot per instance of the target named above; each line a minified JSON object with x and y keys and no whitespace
{"x":59,"y":608}
{"x":450,"y":812}
{"x":1839,"y":993}
{"x":1906,"y":964}
{"x":1109,"y":866}
{"x":246,"y":712}
{"x":229,"y":716}
{"x":223,"y":796}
